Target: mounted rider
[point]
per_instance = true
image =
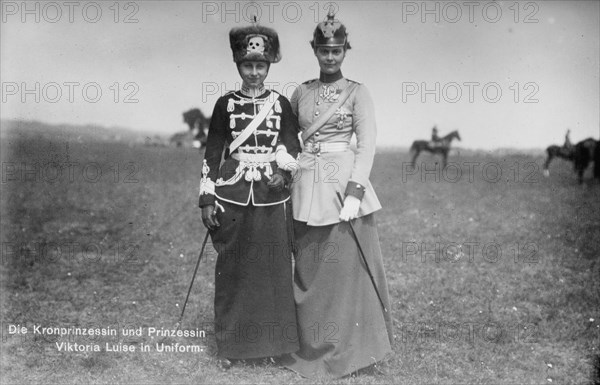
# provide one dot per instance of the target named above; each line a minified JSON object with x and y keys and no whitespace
{"x":436,"y":141}
{"x":568,"y":146}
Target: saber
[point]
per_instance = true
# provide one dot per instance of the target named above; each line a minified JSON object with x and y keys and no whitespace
{"x":178,"y":324}
{"x":362,"y":254}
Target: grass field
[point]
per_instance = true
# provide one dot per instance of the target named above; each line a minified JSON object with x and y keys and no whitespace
{"x":492,"y":281}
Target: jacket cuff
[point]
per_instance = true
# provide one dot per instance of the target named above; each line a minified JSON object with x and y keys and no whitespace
{"x":357,"y":190}
{"x":206,"y":199}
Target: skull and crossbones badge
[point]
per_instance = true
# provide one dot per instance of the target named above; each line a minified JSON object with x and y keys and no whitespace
{"x":256,"y":44}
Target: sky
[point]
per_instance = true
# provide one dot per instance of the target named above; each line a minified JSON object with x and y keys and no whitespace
{"x":504,"y":74}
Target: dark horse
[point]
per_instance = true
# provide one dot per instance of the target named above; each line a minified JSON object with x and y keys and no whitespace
{"x":555,"y":151}
{"x":585,"y":152}
{"x":582,"y":154}
{"x":198,"y":124}
{"x":442,"y":148}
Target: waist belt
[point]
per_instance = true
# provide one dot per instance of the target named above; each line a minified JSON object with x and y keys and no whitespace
{"x":319,"y":147}
{"x":253,"y":158}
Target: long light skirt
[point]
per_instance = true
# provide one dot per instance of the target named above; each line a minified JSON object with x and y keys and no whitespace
{"x":342,"y":325}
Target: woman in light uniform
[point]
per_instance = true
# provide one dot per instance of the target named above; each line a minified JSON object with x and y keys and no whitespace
{"x":344,"y":317}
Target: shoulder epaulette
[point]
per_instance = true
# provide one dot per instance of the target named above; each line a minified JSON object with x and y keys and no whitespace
{"x":310,"y":81}
{"x":353,"y":81}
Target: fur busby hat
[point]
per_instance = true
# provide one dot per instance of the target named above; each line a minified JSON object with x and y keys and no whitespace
{"x":254,"y":43}
{"x":330,"y":33}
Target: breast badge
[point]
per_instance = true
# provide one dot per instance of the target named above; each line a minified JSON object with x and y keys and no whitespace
{"x":330,"y":93}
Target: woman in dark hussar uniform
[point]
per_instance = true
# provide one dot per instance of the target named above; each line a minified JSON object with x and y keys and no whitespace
{"x":243,"y":203}
{"x":344,"y":317}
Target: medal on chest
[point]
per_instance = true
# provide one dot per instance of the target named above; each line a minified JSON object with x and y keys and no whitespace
{"x":342,"y":114}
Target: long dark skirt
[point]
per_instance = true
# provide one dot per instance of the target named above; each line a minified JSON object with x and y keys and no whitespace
{"x":255,"y":314}
{"x":342,"y":325}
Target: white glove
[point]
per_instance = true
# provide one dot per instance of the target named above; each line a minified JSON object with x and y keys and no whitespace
{"x":284,"y":160}
{"x":350,"y":209}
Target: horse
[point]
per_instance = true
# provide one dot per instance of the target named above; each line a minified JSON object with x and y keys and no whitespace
{"x":582,"y":154}
{"x":555,"y":151}
{"x":585,"y":152}
{"x":597,"y":162}
{"x":198,"y":124}
{"x":183,"y":139}
{"x":442,"y":148}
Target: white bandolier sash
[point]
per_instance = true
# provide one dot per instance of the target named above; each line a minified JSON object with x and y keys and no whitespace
{"x":258,"y":119}
{"x":320,"y":122}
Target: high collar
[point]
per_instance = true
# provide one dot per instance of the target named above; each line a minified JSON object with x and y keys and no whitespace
{"x":252,"y":92}
{"x":330,"y":78}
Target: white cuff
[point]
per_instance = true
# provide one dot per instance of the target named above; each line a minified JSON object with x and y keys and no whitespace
{"x":207,"y":186}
